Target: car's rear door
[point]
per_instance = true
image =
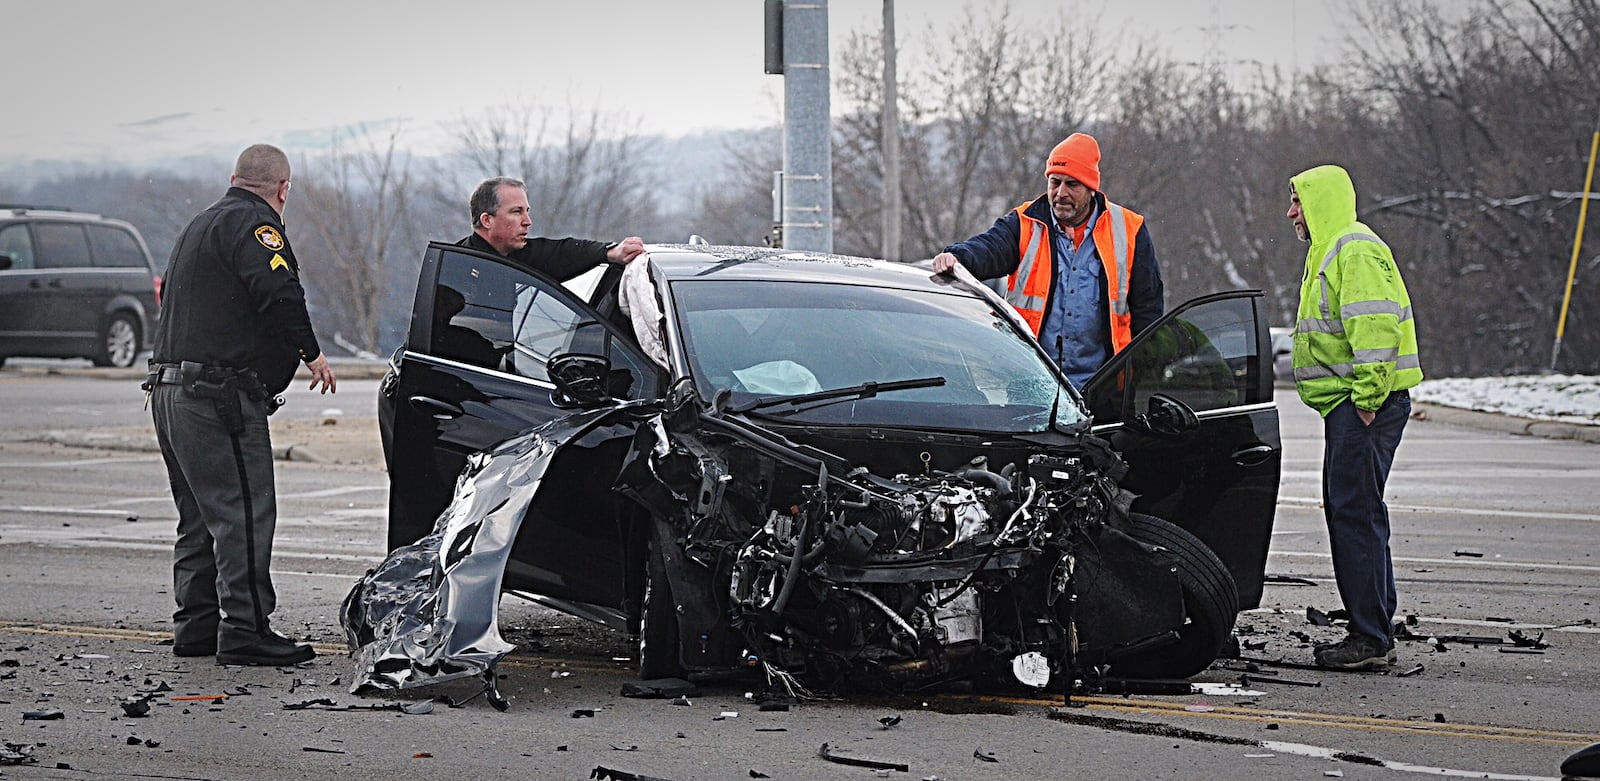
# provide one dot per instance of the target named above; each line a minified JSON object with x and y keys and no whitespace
{"x":1219,"y":481}
{"x":71,"y":287}
{"x":472,"y":372}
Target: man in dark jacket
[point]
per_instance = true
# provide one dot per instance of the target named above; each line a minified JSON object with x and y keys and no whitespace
{"x":500,"y":221}
{"x":232,"y":332}
{"x":1080,"y":269}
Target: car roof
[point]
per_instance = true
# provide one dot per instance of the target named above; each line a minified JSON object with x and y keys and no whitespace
{"x":21,"y":212}
{"x":679,"y":262}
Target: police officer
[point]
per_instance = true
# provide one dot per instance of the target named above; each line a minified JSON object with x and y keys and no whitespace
{"x":233,"y":328}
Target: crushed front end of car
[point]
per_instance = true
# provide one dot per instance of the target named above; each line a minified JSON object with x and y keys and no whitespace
{"x":781,"y":559}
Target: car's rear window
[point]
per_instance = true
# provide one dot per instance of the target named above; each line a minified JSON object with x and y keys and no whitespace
{"x":767,"y":339}
{"x":115,"y":248}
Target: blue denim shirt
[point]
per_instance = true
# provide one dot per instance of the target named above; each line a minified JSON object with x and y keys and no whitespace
{"x":1076,"y":331}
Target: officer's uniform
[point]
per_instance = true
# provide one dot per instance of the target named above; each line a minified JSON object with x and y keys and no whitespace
{"x":232,"y":332}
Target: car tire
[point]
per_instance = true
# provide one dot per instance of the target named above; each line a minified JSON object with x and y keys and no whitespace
{"x":119,"y":342}
{"x":658,"y":630}
{"x":1210,"y":602}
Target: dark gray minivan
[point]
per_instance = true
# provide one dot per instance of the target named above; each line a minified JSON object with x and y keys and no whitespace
{"x":74,"y":285}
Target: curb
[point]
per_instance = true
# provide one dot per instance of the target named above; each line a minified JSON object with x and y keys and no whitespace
{"x":1509,"y":424}
{"x":132,"y":444}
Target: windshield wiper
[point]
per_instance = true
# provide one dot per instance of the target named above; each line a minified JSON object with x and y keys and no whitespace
{"x":865,"y":390}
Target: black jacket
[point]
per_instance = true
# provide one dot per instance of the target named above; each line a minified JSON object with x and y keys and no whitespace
{"x":559,"y":258}
{"x":231,"y":295}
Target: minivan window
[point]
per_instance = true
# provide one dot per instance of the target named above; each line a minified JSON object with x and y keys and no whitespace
{"x":60,"y":245}
{"x":115,"y":247}
{"x":15,"y":242}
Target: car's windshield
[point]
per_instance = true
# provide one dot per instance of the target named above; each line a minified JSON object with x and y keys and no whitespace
{"x":765,"y":338}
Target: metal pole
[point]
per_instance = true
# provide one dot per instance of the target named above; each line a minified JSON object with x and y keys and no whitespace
{"x":807,"y":128}
{"x":891,"y":140}
{"x":1577,"y":245}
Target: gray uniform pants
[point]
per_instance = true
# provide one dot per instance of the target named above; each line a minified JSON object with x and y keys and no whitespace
{"x":227,"y":511}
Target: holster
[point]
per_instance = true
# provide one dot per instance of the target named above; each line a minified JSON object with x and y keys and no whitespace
{"x":219,"y":385}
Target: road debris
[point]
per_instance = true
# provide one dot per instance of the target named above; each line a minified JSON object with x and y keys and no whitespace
{"x":984,"y":756}
{"x":43,"y":715}
{"x":1410,"y":672}
{"x":19,"y":754}
{"x":608,"y":774}
{"x":660,"y":688}
{"x":889,"y":721}
{"x":876,"y":764}
{"x":1522,"y":640}
{"x":1472,"y":554}
{"x":1316,"y":617}
{"x":413,"y":708}
{"x":1246,"y":680}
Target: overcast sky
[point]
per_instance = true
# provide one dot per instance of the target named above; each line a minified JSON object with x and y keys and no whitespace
{"x":139,"y":80}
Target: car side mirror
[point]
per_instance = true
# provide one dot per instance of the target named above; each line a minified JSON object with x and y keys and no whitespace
{"x":5,"y":262}
{"x":580,"y":379}
{"x":1165,"y":417}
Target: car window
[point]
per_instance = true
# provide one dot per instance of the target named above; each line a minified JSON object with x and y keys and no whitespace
{"x":60,"y":245}
{"x":115,"y":248}
{"x":1204,"y":355}
{"x":783,"y":338}
{"x":495,"y":316}
{"x":15,"y":242}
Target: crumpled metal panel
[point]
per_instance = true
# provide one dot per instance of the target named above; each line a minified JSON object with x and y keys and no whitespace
{"x":428,"y":613}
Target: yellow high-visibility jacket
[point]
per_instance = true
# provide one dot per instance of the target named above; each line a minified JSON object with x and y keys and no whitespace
{"x":1354,"y":334}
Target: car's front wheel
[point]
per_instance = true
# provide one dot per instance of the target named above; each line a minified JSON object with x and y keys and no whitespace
{"x":1210,"y":604}
{"x":658,"y":630}
{"x":119,"y":342}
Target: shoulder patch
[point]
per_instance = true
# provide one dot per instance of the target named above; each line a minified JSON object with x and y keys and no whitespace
{"x":269,"y":237}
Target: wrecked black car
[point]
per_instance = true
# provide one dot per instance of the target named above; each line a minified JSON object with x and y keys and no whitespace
{"x":839,"y":473}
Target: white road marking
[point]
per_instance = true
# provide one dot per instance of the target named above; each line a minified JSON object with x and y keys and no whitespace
{"x":73,"y":462}
{"x":1304,"y":501}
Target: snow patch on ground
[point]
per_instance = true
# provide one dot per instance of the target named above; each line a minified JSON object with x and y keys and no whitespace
{"x":1558,"y":397}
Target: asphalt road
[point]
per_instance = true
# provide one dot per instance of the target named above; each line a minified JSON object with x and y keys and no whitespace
{"x":1493,"y":533}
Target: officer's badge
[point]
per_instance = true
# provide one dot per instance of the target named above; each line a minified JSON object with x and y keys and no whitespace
{"x":269,"y":237}
{"x":277,"y":261}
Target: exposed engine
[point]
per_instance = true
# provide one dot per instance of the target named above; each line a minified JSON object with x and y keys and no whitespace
{"x":858,"y":581}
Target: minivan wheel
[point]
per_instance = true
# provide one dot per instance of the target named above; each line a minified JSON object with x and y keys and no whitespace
{"x":119,"y":342}
{"x":658,"y":632}
{"x":1210,"y":605}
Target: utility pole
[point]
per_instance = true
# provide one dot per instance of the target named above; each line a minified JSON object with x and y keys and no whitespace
{"x":1577,"y":245}
{"x":801,"y":44}
{"x":891,"y":140}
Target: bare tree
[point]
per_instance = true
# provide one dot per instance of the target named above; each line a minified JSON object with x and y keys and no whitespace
{"x":977,"y":122}
{"x":363,"y":242}
{"x":587,"y":173}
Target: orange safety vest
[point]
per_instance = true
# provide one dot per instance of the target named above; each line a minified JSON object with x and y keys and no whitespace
{"x":1113,"y":237}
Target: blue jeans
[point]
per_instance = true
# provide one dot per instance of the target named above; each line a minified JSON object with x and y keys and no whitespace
{"x":1355,"y":465}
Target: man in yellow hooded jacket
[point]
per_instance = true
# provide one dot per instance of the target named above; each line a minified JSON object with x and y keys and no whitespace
{"x":1355,"y":356}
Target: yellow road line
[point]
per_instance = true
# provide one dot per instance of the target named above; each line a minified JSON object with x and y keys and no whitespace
{"x":1302,"y":718}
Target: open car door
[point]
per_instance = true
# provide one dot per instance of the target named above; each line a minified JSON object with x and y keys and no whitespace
{"x":1217,"y":479}
{"x":473,"y":373}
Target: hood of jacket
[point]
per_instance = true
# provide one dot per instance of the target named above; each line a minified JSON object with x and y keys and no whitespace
{"x":1327,"y":199}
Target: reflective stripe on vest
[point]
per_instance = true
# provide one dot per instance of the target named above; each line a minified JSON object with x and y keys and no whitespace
{"x":1322,"y":270}
{"x":1029,"y":285}
{"x":1401,"y":363}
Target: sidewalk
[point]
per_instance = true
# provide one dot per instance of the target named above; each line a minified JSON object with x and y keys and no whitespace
{"x":1510,"y":424}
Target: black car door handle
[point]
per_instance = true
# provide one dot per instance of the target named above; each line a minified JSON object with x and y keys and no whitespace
{"x":440,"y":410}
{"x":1252,"y":455}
